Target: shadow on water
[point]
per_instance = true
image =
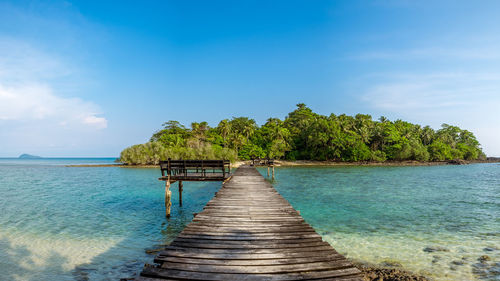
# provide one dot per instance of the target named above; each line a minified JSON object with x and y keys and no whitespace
{"x":23,"y":265}
{"x":118,"y":263}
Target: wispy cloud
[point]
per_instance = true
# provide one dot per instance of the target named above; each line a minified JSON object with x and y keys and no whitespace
{"x":431,"y":53}
{"x":38,"y":102}
{"x":470,"y":100}
{"x":435,"y":91}
{"x":20,"y":62}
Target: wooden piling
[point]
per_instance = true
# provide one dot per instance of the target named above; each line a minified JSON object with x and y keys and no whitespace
{"x":273,"y":172}
{"x":267,"y":171}
{"x":180,"y":193}
{"x":168,"y":196}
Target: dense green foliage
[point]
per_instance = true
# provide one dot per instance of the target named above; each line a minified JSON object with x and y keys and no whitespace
{"x":306,"y":135}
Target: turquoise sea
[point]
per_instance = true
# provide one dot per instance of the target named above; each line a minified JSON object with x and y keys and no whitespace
{"x":104,"y":223}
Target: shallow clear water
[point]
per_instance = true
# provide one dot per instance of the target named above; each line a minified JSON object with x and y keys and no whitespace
{"x":85,"y":223}
{"x":96,"y":223}
{"x":434,"y":220}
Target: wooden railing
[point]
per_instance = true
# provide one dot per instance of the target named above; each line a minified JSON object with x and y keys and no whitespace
{"x":195,"y":168}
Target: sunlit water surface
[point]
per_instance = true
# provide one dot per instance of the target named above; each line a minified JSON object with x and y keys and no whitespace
{"x":434,"y":220}
{"x":104,"y":223}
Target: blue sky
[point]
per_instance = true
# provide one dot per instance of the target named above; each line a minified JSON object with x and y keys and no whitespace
{"x":84,"y":78}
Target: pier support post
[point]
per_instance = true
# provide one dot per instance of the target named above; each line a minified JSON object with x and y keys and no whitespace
{"x":180,"y":193}
{"x":267,"y":171}
{"x":273,"y":172}
{"x":168,"y":195}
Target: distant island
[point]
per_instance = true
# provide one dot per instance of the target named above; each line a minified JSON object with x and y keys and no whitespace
{"x":29,"y":156}
{"x":306,"y":135}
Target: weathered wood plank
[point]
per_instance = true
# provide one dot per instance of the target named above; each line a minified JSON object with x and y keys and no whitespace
{"x":247,"y":245}
{"x":249,"y":227}
{"x":265,"y":241}
{"x":250,"y":251}
{"x":248,"y":237}
{"x":259,"y":269}
{"x":249,"y":262}
{"x":248,"y":219}
{"x":250,"y":224}
{"x":225,"y":255}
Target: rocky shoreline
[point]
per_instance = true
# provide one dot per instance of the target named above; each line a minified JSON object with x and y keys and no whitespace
{"x":378,"y":273}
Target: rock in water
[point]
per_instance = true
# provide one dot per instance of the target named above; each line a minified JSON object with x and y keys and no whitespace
{"x":435,"y":249}
{"x":373,"y":273}
{"x":484,"y":258}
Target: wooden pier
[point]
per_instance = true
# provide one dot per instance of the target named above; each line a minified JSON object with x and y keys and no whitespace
{"x":248,"y":231}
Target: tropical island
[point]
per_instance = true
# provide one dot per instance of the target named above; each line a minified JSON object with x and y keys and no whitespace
{"x":306,"y":135}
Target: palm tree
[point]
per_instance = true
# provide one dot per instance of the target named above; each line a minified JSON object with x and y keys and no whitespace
{"x":248,"y":130}
{"x":427,"y":135}
{"x":225,"y":129}
{"x":238,"y":141}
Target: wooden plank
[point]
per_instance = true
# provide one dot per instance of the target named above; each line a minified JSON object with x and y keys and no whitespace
{"x":239,"y":212}
{"x":250,"y":223}
{"x":267,"y":228}
{"x":291,"y":219}
{"x":248,"y":232}
{"x":267,"y":240}
{"x":239,"y":207}
{"x":248,"y":237}
{"x":250,"y":229}
{"x":259,"y":269}
{"x":247,"y":245}
{"x":249,"y":262}
{"x":250,"y":251}
{"x":225,"y":255}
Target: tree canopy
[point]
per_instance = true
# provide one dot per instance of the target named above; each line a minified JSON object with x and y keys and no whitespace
{"x":306,"y":135}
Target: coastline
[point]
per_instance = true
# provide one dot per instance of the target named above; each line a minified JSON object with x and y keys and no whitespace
{"x":299,"y":163}
{"x":305,"y":163}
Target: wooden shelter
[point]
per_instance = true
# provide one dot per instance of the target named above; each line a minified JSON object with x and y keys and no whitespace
{"x":191,"y":170}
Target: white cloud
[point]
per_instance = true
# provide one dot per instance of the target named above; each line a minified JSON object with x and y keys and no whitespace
{"x":38,"y":102}
{"x":26,"y":93}
{"x":98,"y":122}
